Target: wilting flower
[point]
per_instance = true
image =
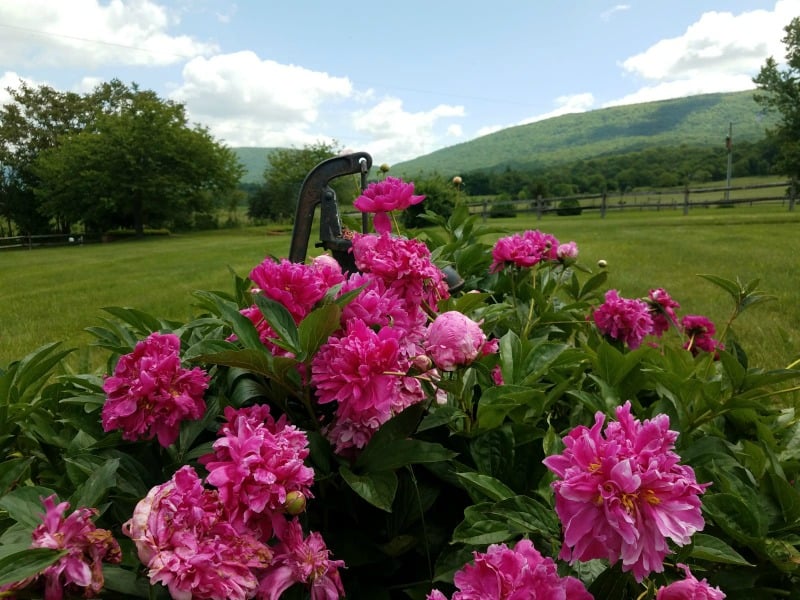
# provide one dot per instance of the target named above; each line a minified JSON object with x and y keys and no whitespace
{"x":623,"y":319}
{"x":662,"y":309}
{"x":87,"y":548}
{"x":524,"y":250}
{"x":700,"y":332}
{"x":256,"y":463}
{"x":183,"y":537}
{"x":502,"y":573}
{"x":454,"y":340}
{"x":297,"y":286}
{"x":689,"y":589}
{"x":150,"y":394}
{"x":382,"y":197}
{"x":301,"y":560}
{"x":363,"y":372}
{"x":621,"y":494}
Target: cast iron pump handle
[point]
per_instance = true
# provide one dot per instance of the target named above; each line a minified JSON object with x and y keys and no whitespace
{"x":315,"y":190}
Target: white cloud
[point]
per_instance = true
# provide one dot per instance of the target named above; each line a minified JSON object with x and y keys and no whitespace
{"x":393,"y":134}
{"x":715,"y":53}
{"x":686,"y":87}
{"x":86,"y":33}
{"x":606,"y":15}
{"x":10,"y":79}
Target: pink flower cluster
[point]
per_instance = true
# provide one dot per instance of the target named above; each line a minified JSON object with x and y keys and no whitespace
{"x":529,"y":249}
{"x":81,"y":569}
{"x":521,"y":573}
{"x":150,"y":393}
{"x":454,"y":340}
{"x":631,"y":320}
{"x":234,"y":542}
{"x":689,"y":589}
{"x":621,"y":494}
{"x":382,"y":197}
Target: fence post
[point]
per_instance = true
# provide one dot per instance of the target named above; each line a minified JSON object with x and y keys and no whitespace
{"x":603,"y":205}
{"x":792,"y":194}
{"x":686,"y":200}
{"x":485,"y":210}
{"x":539,"y":207}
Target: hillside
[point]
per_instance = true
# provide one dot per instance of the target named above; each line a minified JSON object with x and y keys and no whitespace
{"x":695,"y":121}
{"x":255,"y":160}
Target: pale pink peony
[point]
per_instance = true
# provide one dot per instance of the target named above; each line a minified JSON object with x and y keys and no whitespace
{"x":150,"y":394}
{"x":363,"y":372}
{"x":524,"y":250}
{"x":81,"y":569}
{"x":304,"y":561}
{"x":567,"y":252}
{"x":623,"y":319}
{"x":184,"y":538}
{"x":454,"y":340}
{"x":297,"y":286}
{"x":662,"y":309}
{"x":382,"y":197}
{"x":621,"y":494}
{"x":700,"y":331}
{"x":256,"y":463}
{"x":521,"y":573}
{"x":689,"y":589}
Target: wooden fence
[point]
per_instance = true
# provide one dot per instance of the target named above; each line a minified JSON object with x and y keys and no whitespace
{"x":684,"y":199}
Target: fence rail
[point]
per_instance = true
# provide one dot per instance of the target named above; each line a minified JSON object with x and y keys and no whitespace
{"x":38,"y":241}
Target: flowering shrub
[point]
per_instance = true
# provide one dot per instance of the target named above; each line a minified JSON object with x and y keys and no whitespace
{"x":380,"y":434}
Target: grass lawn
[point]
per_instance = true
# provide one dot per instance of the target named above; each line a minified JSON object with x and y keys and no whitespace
{"x":53,"y":294}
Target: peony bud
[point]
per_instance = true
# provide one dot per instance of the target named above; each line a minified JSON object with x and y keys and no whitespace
{"x":602,"y":263}
{"x":295,"y":503}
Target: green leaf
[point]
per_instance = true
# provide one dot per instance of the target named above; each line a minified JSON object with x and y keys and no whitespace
{"x":732,"y":287}
{"x":492,"y":488}
{"x":281,"y":321}
{"x":480,"y":528}
{"x":402,"y":452}
{"x":525,"y":514}
{"x":24,"y":504}
{"x":243,"y":327}
{"x":315,"y":329}
{"x":377,"y":488}
{"x":710,"y":548}
{"x":11,"y":471}
{"x":26,"y":563}
{"x":96,"y":486}
{"x":122,"y":581}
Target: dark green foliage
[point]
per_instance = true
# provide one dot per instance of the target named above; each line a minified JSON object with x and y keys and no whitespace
{"x":440,"y":194}
{"x":569,"y":207}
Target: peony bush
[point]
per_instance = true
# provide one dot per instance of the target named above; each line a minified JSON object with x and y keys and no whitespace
{"x":314,"y":433}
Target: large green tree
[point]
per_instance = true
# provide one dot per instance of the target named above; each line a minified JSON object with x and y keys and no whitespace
{"x":283,"y":178}
{"x":779,"y":92}
{"x":138,"y":163}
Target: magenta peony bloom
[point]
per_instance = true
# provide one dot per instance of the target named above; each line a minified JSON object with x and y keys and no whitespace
{"x":363,"y":372}
{"x":454,"y":340}
{"x":256,"y":463}
{"x":81,"y":569}
{"x":700,"y":332}
{"x":183,"y":537}
{"x":297,"y":286}
{"x":385,"y":196}
{"x":689,"y":589}
{"x":622,"y":494}
{"x":524,"y":250}
{"x":150,"y":393}
{"x":567,"y":252}
{"x":519,"y":574}
{"x":622,"y":319}
{"x":301,"y":560}
{"x":662,"y":309}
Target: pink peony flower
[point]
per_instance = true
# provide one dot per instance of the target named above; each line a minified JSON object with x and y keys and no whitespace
{"x":385,"y":196}
{"x":182,"y":535}
{"x":150,"y":394}
{"x":567,"y":252}
{"x":454,"y":340}
{"x":524,"y":250}
{"x":497,"y":375}
{"x":689,"y":589}
{"x":363,"y":372}
{"x":301,"y":560}
{"x":700,"y":332}
{"x":622,"y":494}
{"x":662,"y":309}
{"x":256,"y":463}
{"x":297,"y":286}
{"x":81,"y":569}
{"x":622,"y":319}
{"x":522,"y":573}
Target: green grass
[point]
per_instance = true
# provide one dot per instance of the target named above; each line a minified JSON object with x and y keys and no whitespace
{"x":53,"y":294}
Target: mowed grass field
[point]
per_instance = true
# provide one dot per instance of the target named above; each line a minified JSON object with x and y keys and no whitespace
{"x":53,"y":294}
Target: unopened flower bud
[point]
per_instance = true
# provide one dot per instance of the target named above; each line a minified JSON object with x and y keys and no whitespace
{"x":422,"y":362}
{"x":295,"y":503}
{"x":602,"y":263}
{"x":457,"y":180}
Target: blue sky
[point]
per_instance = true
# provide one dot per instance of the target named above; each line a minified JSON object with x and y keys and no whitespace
{"x":396,"y":79}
